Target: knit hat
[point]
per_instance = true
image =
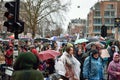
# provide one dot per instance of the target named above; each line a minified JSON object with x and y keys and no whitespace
{"x":25,"y":60}
{"x":69,"y":45}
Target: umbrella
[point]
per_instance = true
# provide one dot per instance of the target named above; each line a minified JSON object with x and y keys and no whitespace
{"x":92,"y":39}
{"x":1,"y":39}
{"x":81,"y":41}
{"x":11,"y":37}
{"x":48,"y":54}
{"x":98,"y":44}
{"x":54,"y":38}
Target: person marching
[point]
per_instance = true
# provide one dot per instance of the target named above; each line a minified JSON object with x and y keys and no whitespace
{"x":25,"y":67}
{"x":93,"y":66}
{"x":9,"y":56}
{"x":114,"y":68}
{"x":70,"y":67}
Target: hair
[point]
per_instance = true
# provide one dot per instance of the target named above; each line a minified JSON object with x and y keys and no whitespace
{"x":53,"y":45}
{"x":68,"y":49}
{"x":113,"y":46}
{"x":95,"y":51}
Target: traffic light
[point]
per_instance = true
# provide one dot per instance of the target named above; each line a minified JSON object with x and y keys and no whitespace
{"x":13,"y":23}
{"x":19,"y":26}
{"x":9,"y":26}
{"x":117,"y":22}
{"x":10,"y":15}
{"x":104,"y":31}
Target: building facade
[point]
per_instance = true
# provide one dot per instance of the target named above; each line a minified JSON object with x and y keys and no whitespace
{"x":103,"y":13}
{"x":77,"y":26}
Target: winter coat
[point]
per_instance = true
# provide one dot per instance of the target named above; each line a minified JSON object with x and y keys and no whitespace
{"x":93,"y":68}
{"x":9,"y":57}
{"x":25,"y":67}
{"x":26,"y":60}
{"x":27,"y":75}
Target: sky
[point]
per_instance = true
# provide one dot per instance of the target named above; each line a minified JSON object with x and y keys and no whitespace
{"x":83,"y":10}
{"x":78,"y":12}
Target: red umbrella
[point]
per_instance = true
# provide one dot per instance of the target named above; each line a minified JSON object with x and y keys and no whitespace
{"x":11,"y":37}
{"x":44,"y":55}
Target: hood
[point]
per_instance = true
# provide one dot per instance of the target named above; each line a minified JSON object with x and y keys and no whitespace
{"x":95,"y":51}
{"x":25,"y":61}
{"x":116,"y":54}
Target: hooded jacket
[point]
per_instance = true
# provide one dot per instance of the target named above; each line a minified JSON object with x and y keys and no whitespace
{"x":114,"y":67}
{"x":25,"y":68}
{"x":93,"y":68}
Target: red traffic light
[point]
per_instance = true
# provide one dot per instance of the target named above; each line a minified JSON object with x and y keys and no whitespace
{"x":8,"y":15}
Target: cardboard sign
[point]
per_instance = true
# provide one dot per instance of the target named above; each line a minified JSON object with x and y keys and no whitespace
{"x":9,"y":71}
{"x":104,"y":53}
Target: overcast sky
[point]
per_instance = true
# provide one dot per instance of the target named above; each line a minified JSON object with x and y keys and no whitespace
{"x":81,"y":12}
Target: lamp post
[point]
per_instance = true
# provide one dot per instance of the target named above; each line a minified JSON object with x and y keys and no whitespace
{"x":116,"y":33}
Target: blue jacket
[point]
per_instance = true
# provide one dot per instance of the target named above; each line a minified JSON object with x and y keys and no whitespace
{"x":93,"y":68}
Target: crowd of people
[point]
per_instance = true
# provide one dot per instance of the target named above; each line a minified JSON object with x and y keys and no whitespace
{"x":75,"y":62}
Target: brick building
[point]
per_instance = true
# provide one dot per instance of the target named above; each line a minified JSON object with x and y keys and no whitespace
{"x":77,"y":26}
{"x":103,"y":13}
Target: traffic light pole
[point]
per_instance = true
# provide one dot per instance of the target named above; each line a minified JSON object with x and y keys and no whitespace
{"x":116,"y":33}
{"x":16,"y":33}
{"x":17,"y":16}
{"x":17,"y":10}
{"x":117,"y":25}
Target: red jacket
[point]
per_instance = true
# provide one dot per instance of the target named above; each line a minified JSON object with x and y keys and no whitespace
{"x":9,"y":57}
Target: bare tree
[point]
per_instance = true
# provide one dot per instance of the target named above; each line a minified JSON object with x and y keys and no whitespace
{"x":58,"y":31}
{"x":41,"y":13}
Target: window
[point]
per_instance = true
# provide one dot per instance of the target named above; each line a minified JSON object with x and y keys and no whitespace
{"x":112,"y":21}
{"x":97,"y":21}
{"x":107,"y":21}
{"x":110,"y":6}
{"x":97,"y":6}
{"x":96,"y":28}
{"x":106,"y":13}
{"x":112,"y":13}
{"x":97,"y":13}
